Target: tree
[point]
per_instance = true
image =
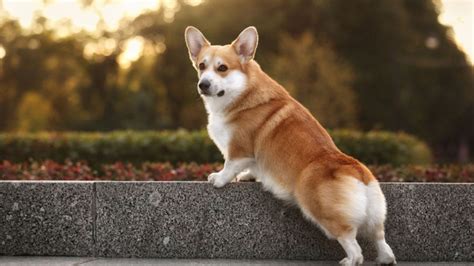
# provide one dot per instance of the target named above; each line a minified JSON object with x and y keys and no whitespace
{"x":313,"y":74}
{"x":38,"y":64}
{"x":373,"y":64}
{"x":34,"y":113}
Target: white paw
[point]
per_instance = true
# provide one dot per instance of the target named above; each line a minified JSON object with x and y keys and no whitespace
{"x":390,"y":259}
{"x":386,"y":256}
{"x":346,"y":262}
{"x":352,"y":262}
{"x":212,"y":176}
{"x":217,"y":180}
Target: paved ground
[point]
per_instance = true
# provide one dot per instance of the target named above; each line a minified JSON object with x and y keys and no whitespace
{"x":74,"y":261}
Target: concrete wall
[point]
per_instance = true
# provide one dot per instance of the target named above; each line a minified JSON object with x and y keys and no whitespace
{"x":426,"y":222}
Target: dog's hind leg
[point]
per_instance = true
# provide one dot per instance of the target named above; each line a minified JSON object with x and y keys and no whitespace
{"x":374,"y":227}
{"x":384,"y":252}
{"x":338,"y":207}
{"x":345,"y":234}
{"x":351,"y":247}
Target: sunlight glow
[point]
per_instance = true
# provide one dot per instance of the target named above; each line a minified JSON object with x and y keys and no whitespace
{"x":22,"y":10}
{"x":103,"y":47}
{"x":87,"y":18}
{"x":70,"y":16}
{"x":2,"y":52}
{"x":133,"y":50}
{"x":459,"y":14}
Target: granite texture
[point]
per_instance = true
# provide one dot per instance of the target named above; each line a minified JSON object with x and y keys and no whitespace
{"x":46,"y":218}
{"x":426,"y":222}
{"x":195,"y":220}
{"x":430,"y":222}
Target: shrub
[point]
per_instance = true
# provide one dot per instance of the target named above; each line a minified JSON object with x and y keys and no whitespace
{"x":47,"y":170}
{"x":158,"y":171}
{"x":188,"y":146}
{"x":424,"y":173}
{"x":380,"y":147}
{"x":119,"y":171}
{"x":50,"y":170}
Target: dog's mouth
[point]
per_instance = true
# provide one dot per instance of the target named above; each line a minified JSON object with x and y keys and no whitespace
{"x":207,"y":94}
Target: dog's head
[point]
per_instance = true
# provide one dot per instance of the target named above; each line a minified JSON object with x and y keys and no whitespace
{"x":221,"y":68}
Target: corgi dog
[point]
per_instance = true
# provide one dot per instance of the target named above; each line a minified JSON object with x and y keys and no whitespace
{"x":263,"y":132}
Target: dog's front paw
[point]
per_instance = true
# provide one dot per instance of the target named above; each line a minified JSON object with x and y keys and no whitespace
{"x":212,"y":177}
{"x":217,"y":180}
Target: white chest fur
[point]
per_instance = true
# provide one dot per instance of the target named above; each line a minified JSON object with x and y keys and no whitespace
{"x":220,"y":132}
{"x":233,"y":85}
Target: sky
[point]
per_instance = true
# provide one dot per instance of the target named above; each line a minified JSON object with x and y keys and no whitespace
{"x":459,"y":14}
{"x":82,"y":18}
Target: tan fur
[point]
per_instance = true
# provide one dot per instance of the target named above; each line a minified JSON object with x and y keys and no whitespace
{"x":225,"y":52}
{"x":290,"y":144}
{"x":286,"y":139}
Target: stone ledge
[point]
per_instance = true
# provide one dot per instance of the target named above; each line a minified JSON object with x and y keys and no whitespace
{"x":426,"y":222}
{"x":46,"y":218}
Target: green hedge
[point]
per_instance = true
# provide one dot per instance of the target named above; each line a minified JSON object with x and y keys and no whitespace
{"x":187,"y":146}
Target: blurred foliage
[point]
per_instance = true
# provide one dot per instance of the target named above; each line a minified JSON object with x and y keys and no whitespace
{"x":307,"y":70}
{"x":34,"y":112}
{"x":120,"y":171}
{"x":189,"y":146}
{"x":368,"y":64}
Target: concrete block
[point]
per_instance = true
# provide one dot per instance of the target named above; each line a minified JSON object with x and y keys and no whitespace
{"x":430,"y":222}
{"x":195,"y":220}
{"x":426,"y":222}
{"x":46,"y":218}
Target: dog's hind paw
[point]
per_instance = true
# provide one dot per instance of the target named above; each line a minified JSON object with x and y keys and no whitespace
{"x":388,"y":260}
{"x":352,"y":262}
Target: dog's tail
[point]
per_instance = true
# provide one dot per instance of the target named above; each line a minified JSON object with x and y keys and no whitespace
{"x":356,"y":170}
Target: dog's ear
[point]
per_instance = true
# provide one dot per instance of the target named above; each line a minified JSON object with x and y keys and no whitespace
{"x":195,"y":41}
{"x":246,"y":44}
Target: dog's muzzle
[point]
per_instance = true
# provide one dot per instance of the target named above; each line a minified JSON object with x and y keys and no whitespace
{"x":204,"y":86}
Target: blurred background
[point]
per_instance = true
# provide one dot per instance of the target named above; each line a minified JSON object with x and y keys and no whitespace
{"x":102,"y":65}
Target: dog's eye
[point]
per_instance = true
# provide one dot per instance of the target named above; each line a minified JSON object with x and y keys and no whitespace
{"x":222,"y":68}
{"x":202,"y":66}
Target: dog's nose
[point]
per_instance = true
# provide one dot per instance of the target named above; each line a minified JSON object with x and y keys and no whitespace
{"x":204,"y":85}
